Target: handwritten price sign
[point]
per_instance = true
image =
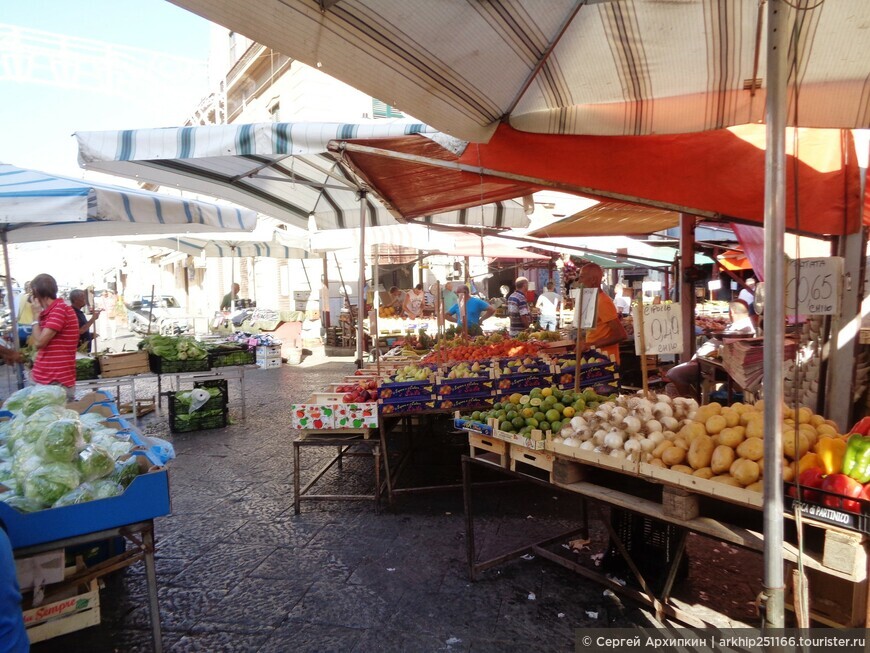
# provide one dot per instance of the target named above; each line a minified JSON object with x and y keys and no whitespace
{"x":815,"y":283}
{"x":662,"y":329}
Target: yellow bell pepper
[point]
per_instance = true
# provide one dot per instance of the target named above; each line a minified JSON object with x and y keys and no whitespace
{"x":830,"y":452}
{"x":808,"y":461}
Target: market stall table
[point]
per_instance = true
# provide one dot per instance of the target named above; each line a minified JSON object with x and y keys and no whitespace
{"x":844,"y":554}
{"x":119,"y":382}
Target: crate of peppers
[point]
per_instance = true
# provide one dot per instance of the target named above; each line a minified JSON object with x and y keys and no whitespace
{"x":833,"y":485}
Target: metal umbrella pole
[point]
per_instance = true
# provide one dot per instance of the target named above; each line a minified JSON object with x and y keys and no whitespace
{"x":362,"y":279}
{"x":774,"y":336}
{"x":13,"y":314}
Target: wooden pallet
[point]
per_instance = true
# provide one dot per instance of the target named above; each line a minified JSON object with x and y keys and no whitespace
{"x":481,"y":445}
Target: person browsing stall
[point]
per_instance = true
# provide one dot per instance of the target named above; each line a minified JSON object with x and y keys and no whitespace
{"x":77,"y":300}
{"x":230,"y":297}
{"x":608,"y":331}
{"x":549,"y":304}
{"x":55,"y":336}
{"x":686,"y":376}
{"x":477,"y":309}
{"x":518,"y":307}
{"x":412,"y":307}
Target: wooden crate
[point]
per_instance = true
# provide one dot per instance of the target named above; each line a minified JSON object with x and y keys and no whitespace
{"x":64,"y":615}
{"x":484,"y":444}
{"x":524,"y":456}
{"x":833,"y":601}
{"x":124,"y":364}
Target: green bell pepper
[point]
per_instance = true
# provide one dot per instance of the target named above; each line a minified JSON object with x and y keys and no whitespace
{"x":856,"y":462}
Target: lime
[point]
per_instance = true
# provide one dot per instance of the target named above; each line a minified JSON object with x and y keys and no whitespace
{"x":506,"y":426}
{"x":518,"y":422}
{"x":511,"y":415}
{"x":568,"y":397}
{"x":475,"y":416}
{"x":557,"y":393}
{"x":536,"y":392}
{"x":536,"y":401}
{"x":556,"y":426}
{"x":527,"y":412}
{"x":515,"y":398}
{"x":497,"y":406}
{"x":559,"y":406}
{"x":531,"y":422}
{"x":525,"y":431}
{"x":579,"y":406}
{"x":550,"y":401}
{"x":525,"y":399}
{"x":553,"y":415}
{"x":592,"y":404}
{"x":546,"y":392}
{"x":539,"y":416}
{"x":544,"y":426}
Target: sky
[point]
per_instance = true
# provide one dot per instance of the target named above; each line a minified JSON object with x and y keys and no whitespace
{"x":136,"y":63}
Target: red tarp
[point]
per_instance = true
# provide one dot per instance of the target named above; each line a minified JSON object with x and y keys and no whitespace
{"x":717,"y":171}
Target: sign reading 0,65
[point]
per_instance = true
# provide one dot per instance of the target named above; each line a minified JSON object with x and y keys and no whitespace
{"x":815,"y":283}
{"x":662,"y":329}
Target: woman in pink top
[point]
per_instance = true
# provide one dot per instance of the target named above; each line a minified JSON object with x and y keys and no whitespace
{"x":55,"y":336}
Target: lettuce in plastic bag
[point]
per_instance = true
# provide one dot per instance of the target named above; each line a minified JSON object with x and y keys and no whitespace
{"x":61,"y":441}
{"x":51,"y":481}
{"x":106,"y":488}
{"x":82,"y":494}
{"x":5,"y":427}
{"x":125,"y":471}
{"x":15,"y":402}
{"x":24,"y":504}
{"x":43,"y":395}
{"x":30,"y":429}
{"x":24,"y":462}
{"x":95,"y":462}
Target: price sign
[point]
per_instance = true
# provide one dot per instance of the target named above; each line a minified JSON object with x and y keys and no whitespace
{"x":651,"y":286}
{"x":813,"y":286}
{"x":585,"y":307}
{"x":716,"y":284}
{"x":662,"y":329}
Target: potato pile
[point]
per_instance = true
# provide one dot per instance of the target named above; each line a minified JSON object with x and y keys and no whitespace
{"x":727,"y":444}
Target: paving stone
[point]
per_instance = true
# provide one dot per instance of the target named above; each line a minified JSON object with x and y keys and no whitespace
{"x":223,"y":641}
{"x":259,"y":602}
{"x":300,"y":637}
{"x":340,"y":605}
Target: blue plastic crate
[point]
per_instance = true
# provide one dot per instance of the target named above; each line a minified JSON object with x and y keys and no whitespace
{"x":145,"y":498}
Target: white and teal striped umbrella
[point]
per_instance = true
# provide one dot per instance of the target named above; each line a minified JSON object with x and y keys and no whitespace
{"x":223,"y":248}
{"x":36,"y":206}
{"x":282,"y":170}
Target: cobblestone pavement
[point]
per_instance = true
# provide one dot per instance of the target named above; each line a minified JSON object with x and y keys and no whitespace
{"x":237,"y":571}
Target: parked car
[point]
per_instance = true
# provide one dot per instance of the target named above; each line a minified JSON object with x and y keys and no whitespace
{"x":166,"y":317}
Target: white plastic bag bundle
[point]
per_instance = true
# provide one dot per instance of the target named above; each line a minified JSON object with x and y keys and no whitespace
{"x":198,"y":399}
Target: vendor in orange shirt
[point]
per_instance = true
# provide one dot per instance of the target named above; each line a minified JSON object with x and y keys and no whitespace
{"x":608,"y":331}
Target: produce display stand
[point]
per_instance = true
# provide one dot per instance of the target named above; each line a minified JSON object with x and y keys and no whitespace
{"x":838,"y":558}
{"x":140,"y":535}
{"x":347,"y":442}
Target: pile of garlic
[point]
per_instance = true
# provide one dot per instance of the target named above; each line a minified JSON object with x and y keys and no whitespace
{"x":630,"y":427}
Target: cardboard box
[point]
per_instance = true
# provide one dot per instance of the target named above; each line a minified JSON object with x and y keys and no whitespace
{"x":312,"y":416}
{"x":356,"y":416}
{"x":403,"y":406}
{"x":40,"y":569}
{"x":483,"y":401}
{"x":510,"y":383}
{"x":124,"y":364}
{"x":269,"y":363}
{"x":269,"y":351}
{"x":406,"y":389}
{"x":460,"y":387}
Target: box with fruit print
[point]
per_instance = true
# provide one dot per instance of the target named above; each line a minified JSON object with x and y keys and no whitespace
{"x":566,"y":380}
{"x":356,"y":416}
{"x":406,"y":389}
{"x":406,"y":405}
{"x":527,"y":365}
{"x":312,"y":416}
{"x":509,"y":383}
{"x":483,"y":400}
{"x":464,"y":387}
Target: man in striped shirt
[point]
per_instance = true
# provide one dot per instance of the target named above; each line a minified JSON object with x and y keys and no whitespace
{"x":518,"y":307}
{"x":55,"y":336}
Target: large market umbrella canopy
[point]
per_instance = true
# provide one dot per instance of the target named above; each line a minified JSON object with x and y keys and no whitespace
{"x":283,"y":170}
{"x":223,"y":248}
{"x":616,"y":67}
{"x":36,"y":206}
